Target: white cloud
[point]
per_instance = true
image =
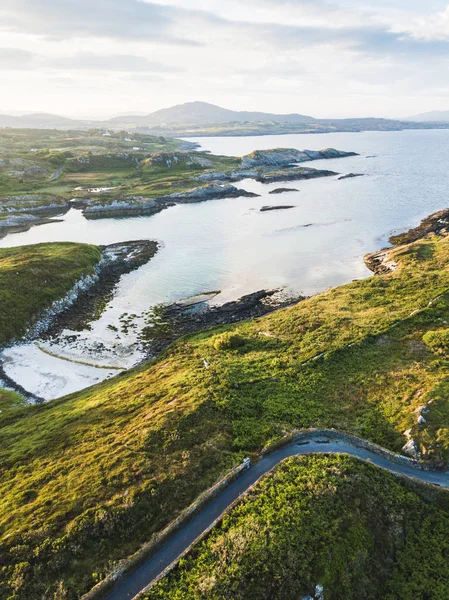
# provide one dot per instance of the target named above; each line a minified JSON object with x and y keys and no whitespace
{"x":321,"y":57}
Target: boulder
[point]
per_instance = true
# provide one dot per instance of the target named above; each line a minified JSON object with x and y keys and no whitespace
{"x":411,"y":449}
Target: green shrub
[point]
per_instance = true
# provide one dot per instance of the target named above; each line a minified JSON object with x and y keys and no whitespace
{"x":228,"y":341}
{"x":438,"y":341}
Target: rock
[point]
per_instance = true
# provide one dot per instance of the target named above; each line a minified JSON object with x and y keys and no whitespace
{"x":379,"y":262}
{"x":296,"y":174}
{"x":283,"y":190}
{"x":421,"y":420}
{"x":125,"y":206}
{"x":319,"y":592}
{"x":209,"y":192}
{"x":169,"y":160}
{"x":21,"y":222}
{"x":280,"y":207}
{"x":408,"y":434}
{"x":436,"y":223}
{"x":411,"y":449}
{"x":283,"y":157}
{"x":350,"y":176}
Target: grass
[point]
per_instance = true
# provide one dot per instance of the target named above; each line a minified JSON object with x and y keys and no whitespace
{"x":33,"y":277}
{"x":9,"y":402}
{"x":31,"y":157}
{"x":88,"y":478}
{"x":331,"y":521}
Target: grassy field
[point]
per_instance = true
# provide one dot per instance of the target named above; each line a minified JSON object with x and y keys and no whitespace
{"x":86,"y":479}
{"x":358,"y":532}
{"x":33,"y":277}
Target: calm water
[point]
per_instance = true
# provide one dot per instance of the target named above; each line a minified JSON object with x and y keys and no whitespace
{"x":231,"y":246}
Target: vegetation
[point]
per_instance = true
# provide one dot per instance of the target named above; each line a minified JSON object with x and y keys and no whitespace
{"x":228,"y":341}
{"x":46,"y":168}
{"x":86,"y":479}
{"x":438,"y":340}
{"x":332,"y":521}
{"x":33,"y":277}
{"x":10,"y":401}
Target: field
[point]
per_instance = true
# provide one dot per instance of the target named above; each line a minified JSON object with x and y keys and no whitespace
{"x":88,"y":478}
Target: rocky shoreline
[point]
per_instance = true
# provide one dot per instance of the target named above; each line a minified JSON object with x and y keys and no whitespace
{"x":19,"y":213}
{"x":380,"y":262}
{"x":118,"y":259}
{"x":182,"y":318}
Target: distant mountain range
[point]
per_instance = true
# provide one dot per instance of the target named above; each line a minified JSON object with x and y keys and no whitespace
{"x":435,"y":116}
{"x":202,"y":118}
{"x":201,"y":113}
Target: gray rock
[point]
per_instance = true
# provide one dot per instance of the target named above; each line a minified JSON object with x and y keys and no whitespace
{"x":351,"y":176}
{"x":411,"y":449}
{"x":282,"y":157}
{"x":280,"y":207}
{"x":209,"y":192}
{"x":283,"y":190}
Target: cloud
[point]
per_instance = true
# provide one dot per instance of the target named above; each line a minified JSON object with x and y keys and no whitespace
{"x":113,"y":62}
{"x":15,"y":58}
{"x":115,"y":19}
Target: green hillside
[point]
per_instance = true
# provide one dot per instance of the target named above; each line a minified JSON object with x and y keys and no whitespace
{"x":348,"y":527}
{"x":86,"y":479}
{"x":33,"y":277}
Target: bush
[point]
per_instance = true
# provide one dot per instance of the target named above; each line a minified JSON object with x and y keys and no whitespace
{"x":228,"y":341}
{"x":438,"y":341}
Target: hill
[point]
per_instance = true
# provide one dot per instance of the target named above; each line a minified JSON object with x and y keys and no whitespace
{"x":88,"y":478}
{"x":436,"y":116}
{"x":202,"y":118}
{"x":39,"y":121}
{"x":322,"y":527}
{"x":204,"y":113}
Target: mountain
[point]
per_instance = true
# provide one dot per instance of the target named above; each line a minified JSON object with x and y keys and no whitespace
{"x":202,"y":113}
{"x":434,"y":116}
{"x":39,"y":121}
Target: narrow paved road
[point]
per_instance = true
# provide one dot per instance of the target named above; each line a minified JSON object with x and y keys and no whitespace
{"x":136,"y":581}
{"x":56,"y":174}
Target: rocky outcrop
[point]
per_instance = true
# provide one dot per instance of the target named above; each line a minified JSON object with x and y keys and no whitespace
{"x":437,"y":223}
{"x":411,"y":449}
{"x":21,"y":222}
{"x":89,"y":296}
{"x":280,"y":207}
{"x":209,"y":192}
{"x":132,"y":205}
{"x":282,"y":157}
{"x":296,"y":174}
{"x":380,"y":263}
{"x":129,"y":205}
{"x":31,"y":203}
{"x":350,"y":176}
{"x":169,"y":160}
{"x":283,"y":190}
{"x":196,"y":314}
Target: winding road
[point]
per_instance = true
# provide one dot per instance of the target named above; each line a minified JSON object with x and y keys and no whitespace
{"x":135,"y":582}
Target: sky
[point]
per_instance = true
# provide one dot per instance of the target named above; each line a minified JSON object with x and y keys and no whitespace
{"x":324,"y":58}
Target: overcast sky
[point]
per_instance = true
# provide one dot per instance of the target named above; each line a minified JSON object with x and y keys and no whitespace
{"x":325,"y":58}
